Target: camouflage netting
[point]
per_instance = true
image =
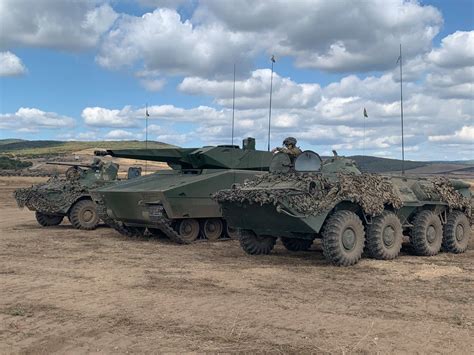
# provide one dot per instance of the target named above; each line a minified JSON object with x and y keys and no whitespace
{"x":443,"y":187}
{"x":51,"y":197}
{"x":312,"y":194}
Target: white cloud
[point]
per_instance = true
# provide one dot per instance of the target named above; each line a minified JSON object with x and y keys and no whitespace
{"x":34,"y":119}
{"x":332,"y":35}
{"x":221,"y":33}
{"x":65,"y":25}
{"x":167,"y":44}
{"x":253,"y":92}
{"x":172,"y":4}
{"x":11,"y":65}
{"x":153,"y":85}
{"x":102,"y":117}
{"x":457,"y":50}
{"x":121,"y":134}
{"x":463,"y":136}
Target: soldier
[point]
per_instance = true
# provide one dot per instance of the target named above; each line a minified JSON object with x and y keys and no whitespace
{"x":97,"y":164}
{"x":289,"y":148}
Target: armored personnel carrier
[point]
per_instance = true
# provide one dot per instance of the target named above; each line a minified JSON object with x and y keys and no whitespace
{"x":177,"y":203}
{"x":347,"y":210}
{"x":69,"y":196}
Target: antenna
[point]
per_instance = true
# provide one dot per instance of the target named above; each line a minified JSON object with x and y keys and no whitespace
{"x":233,"y":108}
{"x":401,"y":109}
{"x":272,"y":59}
{"x":146,"y":134}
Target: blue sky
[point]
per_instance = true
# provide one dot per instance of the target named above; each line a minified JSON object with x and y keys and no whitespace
{"x":87,"y":70}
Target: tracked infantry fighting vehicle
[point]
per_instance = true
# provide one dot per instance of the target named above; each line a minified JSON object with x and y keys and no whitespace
{"x":177,"y":203}
{"x":348,"y":210}
{"x":69,"y":196}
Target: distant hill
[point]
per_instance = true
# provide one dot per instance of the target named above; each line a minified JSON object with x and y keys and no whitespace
{"x":380,"y":165}
{"x":10,"y":140}
{"x":35,"y":149}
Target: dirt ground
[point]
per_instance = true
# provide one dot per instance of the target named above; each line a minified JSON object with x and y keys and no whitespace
{"x":69,"y":291}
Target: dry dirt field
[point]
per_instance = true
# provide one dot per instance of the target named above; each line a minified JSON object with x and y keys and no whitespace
{"x":69,"y":291}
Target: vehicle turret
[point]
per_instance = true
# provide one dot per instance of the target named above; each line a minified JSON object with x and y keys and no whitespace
{"x":210,"y":157}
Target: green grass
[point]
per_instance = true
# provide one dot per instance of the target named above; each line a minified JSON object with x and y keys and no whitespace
{"x":36,"y":149}
{"x":7,"y":163}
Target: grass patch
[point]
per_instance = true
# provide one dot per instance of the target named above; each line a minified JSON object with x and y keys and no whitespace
{"x":7,"y":163}
{"x":36,"y":149}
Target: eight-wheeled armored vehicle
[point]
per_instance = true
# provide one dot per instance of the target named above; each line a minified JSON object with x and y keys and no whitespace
{"x":177,"y":203}
{"x":69,"y":196}
{"x":347,"y":210}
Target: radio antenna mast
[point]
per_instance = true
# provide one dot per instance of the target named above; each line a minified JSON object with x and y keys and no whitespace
{"x":233,"y":108}
{"x":272,"y":59}
{"x":401,"y":109}
{"x":146,"y":134}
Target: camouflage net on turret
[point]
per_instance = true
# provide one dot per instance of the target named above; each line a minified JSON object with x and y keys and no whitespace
{"x":443,"y":187}
{"x":312,"y":194}
{"x":50,"y":197}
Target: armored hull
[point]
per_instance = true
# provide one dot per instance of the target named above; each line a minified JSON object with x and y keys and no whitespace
{"x":348,"y":211}
{"x":68,"y":196}
{"x":177,"y":203}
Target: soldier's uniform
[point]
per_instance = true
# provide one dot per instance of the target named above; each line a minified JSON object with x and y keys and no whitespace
{"x":293,"y":152}
{"x":289,"y":148}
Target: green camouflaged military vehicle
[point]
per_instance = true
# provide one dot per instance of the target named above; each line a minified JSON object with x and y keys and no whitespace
{"x":69,"y":196}
{"x":177,"y":203}
{"x":349,"y":211}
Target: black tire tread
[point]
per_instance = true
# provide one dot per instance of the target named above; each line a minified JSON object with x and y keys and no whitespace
{"x":330,"y":238}
{"x":254,"y":245}
{"x":450,"y":243}
{"x":418,"y":233}
{"x":74,"y":215}
{"x":47,"y":220}
{"x":374,"y":243}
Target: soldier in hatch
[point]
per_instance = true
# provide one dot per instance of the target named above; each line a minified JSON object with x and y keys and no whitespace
{"x":289,"y":148}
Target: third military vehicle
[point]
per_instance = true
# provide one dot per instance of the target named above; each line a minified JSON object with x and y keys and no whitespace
{"x":70,"y":195}
{"x":348,"y":210}
{"x":177,"y":203}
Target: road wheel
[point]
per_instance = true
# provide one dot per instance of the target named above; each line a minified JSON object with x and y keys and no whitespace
{"x":457,"y":232}
{"x":188,"y":229}
{"x":427,"y":233}
{"x":256,"y":244}
{"x":296,"y":244}
{"x":47,"y":220}
{"x":83,"y":215}
{"x":212,"y":228}
{"x":343,"y":238}
{"x":385,"y":236}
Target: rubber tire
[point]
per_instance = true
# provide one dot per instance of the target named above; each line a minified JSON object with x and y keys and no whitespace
{"x":76,"y":215}
{"x":216,"y":234}
{"x":256,"y":245}
{"x":48,"y":220}
{"x":333,"y":248}
{"x":375,"y":245}
{"x":423,"y":220}
{"x":450,"y":242}
{"x":296,"y":244}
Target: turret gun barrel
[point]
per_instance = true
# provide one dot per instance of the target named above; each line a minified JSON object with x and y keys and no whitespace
{"x":70,"y":164}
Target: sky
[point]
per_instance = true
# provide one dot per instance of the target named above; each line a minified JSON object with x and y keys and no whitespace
{"x":87,"y":70}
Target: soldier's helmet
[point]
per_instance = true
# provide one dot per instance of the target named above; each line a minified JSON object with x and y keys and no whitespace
{"x":96,"y":161}
{"x":290,"y":140}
